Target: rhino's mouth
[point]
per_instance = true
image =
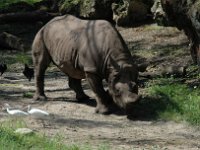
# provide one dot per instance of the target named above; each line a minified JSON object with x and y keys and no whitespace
{"x":131,"y":98}
{"x":124,"y":100}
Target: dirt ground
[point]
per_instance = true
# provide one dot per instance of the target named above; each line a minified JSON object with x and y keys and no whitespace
{"x":77,"y":123}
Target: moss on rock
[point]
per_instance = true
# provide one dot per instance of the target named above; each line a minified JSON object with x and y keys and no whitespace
{"x":70,"y":6}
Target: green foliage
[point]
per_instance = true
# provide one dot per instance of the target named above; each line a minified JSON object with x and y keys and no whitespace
{"x":66,"y":6}
{"x":5,"y":3}
{"x":68,"y":3}
{"x":12,"y":123}
{"x":86,"y":6}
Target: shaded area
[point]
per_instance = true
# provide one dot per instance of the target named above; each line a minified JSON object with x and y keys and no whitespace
{"x":84,"y":123}
{"x":160,"y":49}
{"x":88,"y":102}
{"x":149,"y":108}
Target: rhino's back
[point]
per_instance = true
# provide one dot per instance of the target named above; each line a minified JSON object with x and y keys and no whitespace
{"x":81,"y":45}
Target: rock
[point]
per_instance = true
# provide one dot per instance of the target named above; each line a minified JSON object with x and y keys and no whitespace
{"x":10,"y":41}
{"x":24,"y":131}
{"x":129,"y":12}
{"x":175,"y":71}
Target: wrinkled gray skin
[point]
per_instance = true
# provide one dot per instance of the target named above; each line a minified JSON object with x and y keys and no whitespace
{"x":87,"y":49}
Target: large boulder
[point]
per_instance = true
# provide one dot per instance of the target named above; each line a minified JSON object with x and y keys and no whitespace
{"x":129,"y":12}
{"x":185,"y":15}
{"x":123,"y":12}
{"x":9,"y":41}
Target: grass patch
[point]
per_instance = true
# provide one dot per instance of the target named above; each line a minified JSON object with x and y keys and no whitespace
{"x":15,"y":61}
{"x":10,"y":140}
{"x":23,"y":58}
{"x":16,"y":58}
{"x":10,"y":85}
{"x":14,"y":141}
{"x":167,"y":99}
{"x":171,"y":51}
{"x":28,"y":95}
{"x":158,"y":28}
{"x":152,"y":27}
{"x":182,"y":102}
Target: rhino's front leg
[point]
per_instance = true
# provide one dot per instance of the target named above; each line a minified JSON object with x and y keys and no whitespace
{"x":105,"y":104}
{"x":75,"y":84}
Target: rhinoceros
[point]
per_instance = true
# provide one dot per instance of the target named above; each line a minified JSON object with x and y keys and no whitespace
{"x":91,"y":49}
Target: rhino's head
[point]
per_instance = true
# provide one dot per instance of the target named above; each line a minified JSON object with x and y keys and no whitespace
{"x":123,"y":86}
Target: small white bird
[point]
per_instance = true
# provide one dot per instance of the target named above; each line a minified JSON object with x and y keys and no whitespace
{"x":15,"y":112}
{"x":37,"y":112}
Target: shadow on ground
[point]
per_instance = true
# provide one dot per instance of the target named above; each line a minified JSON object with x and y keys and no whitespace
{"x":149,"y":108}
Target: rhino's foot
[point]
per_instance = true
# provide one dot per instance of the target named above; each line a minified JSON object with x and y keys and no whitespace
{"x":82,"y":97}
{"x":106,"y":110}
{"x":39,"y":97}
{"x":103,"y":110}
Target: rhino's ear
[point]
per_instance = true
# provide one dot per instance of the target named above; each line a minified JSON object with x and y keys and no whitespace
{"x":128,"y":67}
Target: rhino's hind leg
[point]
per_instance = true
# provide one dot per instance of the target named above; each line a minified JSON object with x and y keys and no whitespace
{"x":40,"y":69}
{"x":75,"y":84}
{"x":39,"y":77}
{"x":41,"y":60}
{"x":105,"y":104}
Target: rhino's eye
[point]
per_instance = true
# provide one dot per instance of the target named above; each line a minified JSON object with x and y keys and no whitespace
{"x":117,"y":92}
{"x":132,"y":87}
